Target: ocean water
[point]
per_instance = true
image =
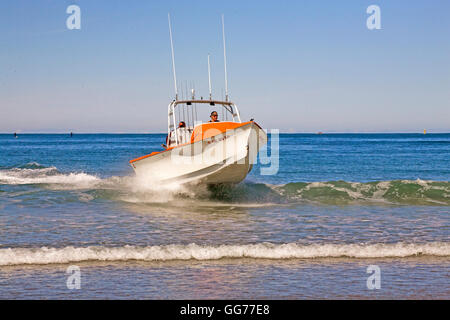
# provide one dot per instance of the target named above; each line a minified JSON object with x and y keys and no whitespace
{"x":339,"y":206}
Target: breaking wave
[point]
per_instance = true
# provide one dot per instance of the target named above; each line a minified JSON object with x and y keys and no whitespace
{"x":394,"y":191}
{"x":34,"y":173}
{"x":44,"y":255}
{"x":137,"y":190}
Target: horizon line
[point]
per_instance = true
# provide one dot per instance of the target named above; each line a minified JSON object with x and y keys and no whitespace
{"x":281,"y":132}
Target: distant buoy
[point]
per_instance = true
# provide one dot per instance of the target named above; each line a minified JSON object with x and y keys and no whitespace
{"x":424,"y":131}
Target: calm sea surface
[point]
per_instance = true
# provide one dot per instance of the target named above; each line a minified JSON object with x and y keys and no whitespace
{"x":337,"y":204}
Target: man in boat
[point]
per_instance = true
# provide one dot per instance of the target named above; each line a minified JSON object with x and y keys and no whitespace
{"x":214,"y":117}
{"x":183,"y":133}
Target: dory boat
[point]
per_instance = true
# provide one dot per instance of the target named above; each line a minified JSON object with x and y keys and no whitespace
{"x":210,"y":153}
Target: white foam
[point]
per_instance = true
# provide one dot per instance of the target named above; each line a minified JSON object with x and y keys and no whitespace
{"x":137,"y":189}
{"x":50,"y":175}
{"x":44,"y":255}
{"x":132,"y":188}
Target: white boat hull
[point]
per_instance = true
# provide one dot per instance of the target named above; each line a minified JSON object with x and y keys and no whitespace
{"x":223,"y":158}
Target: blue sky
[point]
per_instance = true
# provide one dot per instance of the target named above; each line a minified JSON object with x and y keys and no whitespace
{"x":297,"y":66}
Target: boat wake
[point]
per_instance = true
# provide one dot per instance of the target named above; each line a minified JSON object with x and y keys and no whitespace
{"x":135,"y":189}
{"x":44,"y":255}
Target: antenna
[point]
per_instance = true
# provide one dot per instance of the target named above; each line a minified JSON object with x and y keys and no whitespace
{"x":209,"y":79}
{"x":173,"y":59}
{"x":225,"y":59}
